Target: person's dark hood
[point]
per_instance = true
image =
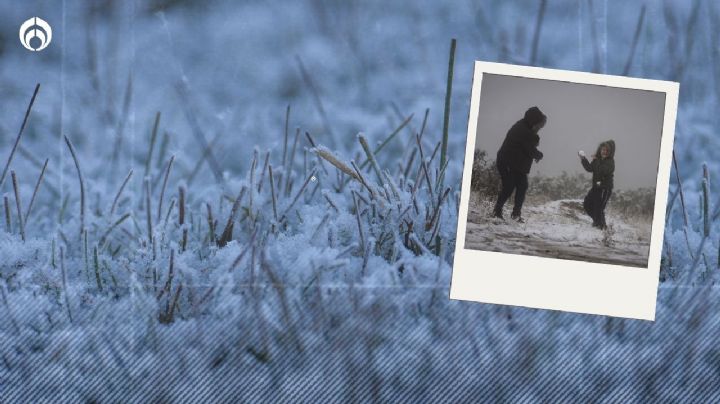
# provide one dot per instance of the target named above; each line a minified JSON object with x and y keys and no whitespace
{"x":533,"y":116}
{"x":611,"y":148}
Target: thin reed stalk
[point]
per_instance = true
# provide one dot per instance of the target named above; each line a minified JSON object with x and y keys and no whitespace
{"x":335,"y":161}
{"x":201,"y":160}
{"x":359,"y":221}
{"x":80,"y":180}
{"x":636,"y":39}
{"x":8,"y":220}
{"x":291,"y":161}
{"x":682,"y":204}
{"x":96,"y":265}
{"x":181,"y":217}
{"x":371,"y":158}
{"x":272,"y":190}
{"x":18,"y":204}
{"x":164,"y":185}
{"x":538,"y":30}
{"x":153,"y":137}
{"x":148,"y":209}
{"x":121,"y":124}
{"x":297,"y":196}
{"x":64,"y":284}
{"x":211,"y":223}
{"x":227,"y":232}
{"x":446,"y":115}
{"x":19,"y":135}
{"x":285,"y":143}
{"x":35,"y":191}
{"x":107,"y":232}
{"x":119,"y":192}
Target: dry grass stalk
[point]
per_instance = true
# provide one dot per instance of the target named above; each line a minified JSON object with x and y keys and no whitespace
{"x":448,"y":94}
{"x":272,"y":190}
{"x":312,"y":146}
{"x":153,"y":137}
{"x":96,"y":265}
{"x":330,"y":202}
{"x":8,"y":220}
{"x":636,"y":39}
{"x":291,"y":161}
{"x":211,"y":223}
{"x":336,"y":161}
{"x":19,"y":135}
{"x":359,"y":221}
{"x":285,"y":143}
{"x":297,"y":196}
{"x":201,"y":160}
{"x":252,"y":180}
{"x":119,"y":192}
{"x":423,"y":165}
{"x":64,"y":284}
{"x":536,"y":35}
{"x":35,"y":191}
{"x":197,"y":131}
{"x":82,"y":183}
{"x":371,"y":158}
{"x":362,"y":180}
{"x":181,"y":217}
{"x":387,"y":140}
{"x":227,"y":232}
{"x":85,"y":252}
{"x":164,"y":185}
{"x":262,"y":173}
{"x":148,"y":209}
{"x":168,"y":283}
{"x":18,"y":204}
{"x":107,"y":232}
{"x":682,"y":203}
{"x":36,"y":162}
{"x":163,"y":149}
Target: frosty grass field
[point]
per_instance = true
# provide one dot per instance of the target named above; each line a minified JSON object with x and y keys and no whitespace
{"x":187,"y":242}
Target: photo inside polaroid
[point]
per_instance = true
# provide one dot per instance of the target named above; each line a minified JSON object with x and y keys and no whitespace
{"x":565,"y":170}
{"x":564,"y":190}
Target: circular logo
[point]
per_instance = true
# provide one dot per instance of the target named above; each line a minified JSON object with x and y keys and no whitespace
{"x":35,"y":34}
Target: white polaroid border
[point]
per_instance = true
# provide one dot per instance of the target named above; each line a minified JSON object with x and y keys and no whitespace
{"x":557,"y":284}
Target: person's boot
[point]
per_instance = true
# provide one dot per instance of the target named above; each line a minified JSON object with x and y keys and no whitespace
{"x":517,"y":217}
{"x":497,"y":212}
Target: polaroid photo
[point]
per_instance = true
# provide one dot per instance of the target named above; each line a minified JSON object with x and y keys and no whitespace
{"x":564,"y":190}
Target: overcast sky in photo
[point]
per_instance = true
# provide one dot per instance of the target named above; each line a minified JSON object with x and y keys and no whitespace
{"x":580,"y":116}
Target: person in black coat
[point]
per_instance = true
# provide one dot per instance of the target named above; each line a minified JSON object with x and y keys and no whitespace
{"x":515,"y":158}
{"x":602,"y":168}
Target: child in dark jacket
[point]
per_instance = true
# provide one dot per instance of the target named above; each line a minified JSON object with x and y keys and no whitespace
{"x":602,"y":168}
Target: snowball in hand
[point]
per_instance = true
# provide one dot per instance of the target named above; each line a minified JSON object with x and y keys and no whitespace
{"x":581,"y":153}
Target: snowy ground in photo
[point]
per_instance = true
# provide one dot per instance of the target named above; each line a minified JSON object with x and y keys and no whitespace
{"x":558,"y":229}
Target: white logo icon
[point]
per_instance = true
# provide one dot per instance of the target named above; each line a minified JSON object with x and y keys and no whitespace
{"x":35,"y":34}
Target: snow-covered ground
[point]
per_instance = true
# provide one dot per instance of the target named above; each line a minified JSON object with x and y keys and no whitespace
{"x":559,"y":229}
